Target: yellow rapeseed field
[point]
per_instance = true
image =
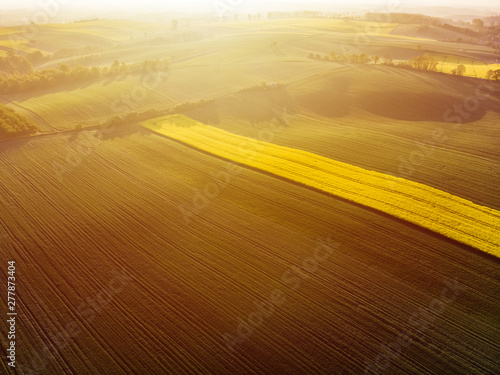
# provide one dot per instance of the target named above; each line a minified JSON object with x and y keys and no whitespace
{"x":473,"y":68}
{"x":452,"y":216}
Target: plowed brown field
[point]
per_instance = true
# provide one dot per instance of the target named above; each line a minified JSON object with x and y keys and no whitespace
{"x":183,"y":286}
{"x":136,"y":254}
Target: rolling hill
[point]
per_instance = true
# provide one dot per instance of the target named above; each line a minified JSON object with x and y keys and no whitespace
{"x":140,"y":254}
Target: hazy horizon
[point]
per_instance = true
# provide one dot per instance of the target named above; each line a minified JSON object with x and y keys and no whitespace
{"x":239,"y":5}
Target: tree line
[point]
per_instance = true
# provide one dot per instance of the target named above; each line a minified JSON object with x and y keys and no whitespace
{"x":403,"y":18}
{"x":346,"y":57}
{"x":131,"y":117}
{"x":424,"y":62}
{"x":15,"y":64}
{"x":13,"y":123}
{"x":64,"y":74}
{"x":24,"y":64}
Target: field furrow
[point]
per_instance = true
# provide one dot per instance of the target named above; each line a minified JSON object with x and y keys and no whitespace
{"x":190,"y":283}
{"x":312,"y":205}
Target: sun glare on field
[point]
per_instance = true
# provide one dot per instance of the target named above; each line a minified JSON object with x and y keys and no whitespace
{"x":249,"y":187}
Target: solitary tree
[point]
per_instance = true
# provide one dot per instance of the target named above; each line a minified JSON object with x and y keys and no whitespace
{"x":115,"y":67}
{"x":461,"y":70}
{"x":477,"y":23}
{"x":36,"y":57}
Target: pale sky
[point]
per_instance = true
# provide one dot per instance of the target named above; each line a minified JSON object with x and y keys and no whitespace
{"x":247,"y":4}
{"x":72,"y":9}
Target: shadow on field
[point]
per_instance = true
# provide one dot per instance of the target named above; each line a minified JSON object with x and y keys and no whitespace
{"x":208,"y":114}
{"x":448,"y":98}
{"x":121,"y":131}
{"x":409,"y":106}
{"x":406,"y":105}
{"x":261,"y":106}
{"x":332,"y":100}
{"x":254,"y":107}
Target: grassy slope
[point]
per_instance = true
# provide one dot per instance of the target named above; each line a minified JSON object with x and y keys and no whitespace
{"x":240,"y":64}
{"x":430,"y":32}
{"x":223,"y":60}
{"x":53,"y":37}
{"x":94,"y":103}
{"x":119,"y":209}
